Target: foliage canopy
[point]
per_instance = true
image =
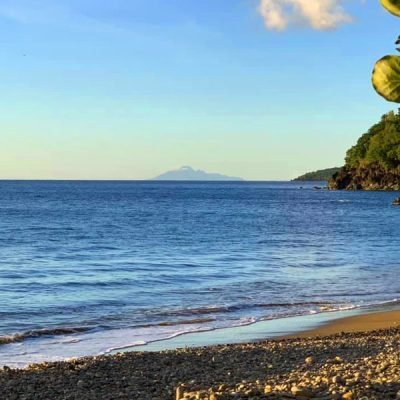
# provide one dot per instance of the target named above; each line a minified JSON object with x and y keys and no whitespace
{"x":379,"y":146}
{"x":320,"y":175}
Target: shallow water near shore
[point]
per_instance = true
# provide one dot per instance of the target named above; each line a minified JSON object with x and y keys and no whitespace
{"x":87,"y":267}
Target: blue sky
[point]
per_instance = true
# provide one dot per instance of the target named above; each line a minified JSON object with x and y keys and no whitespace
{"x":92,"y":89}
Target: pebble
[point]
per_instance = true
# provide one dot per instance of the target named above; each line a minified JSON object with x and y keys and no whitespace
{"x":351,"y":366}
{"x":348,"y":396}
{"x":309,"y":360}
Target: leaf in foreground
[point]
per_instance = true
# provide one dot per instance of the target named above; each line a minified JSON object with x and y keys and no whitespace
{"x":393,"y":6}
{"x":386,"y":78}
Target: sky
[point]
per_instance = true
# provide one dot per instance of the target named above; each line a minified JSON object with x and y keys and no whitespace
{"x":128,"y":89}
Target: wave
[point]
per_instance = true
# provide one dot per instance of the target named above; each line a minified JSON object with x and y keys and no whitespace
{"x":36,"y":333}
{"x":239,"y":323}
{"x":170,"y":318}
{"x":185,"y":322}
{"x":233,"y":308}
{"x":201,"y":314}
{"x":199,"y":324}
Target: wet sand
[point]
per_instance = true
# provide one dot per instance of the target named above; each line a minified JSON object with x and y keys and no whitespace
{"x":358,"y":323}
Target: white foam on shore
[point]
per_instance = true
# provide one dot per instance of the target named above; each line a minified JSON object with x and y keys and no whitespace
{"x":64,"y":347}
{"x":59,"y":348}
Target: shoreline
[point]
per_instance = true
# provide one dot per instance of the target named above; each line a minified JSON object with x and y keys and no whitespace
{"x":49,"y":349}
{"x":318,"y":324}
{"x":371,"y":321}
{"x":347,"y":358}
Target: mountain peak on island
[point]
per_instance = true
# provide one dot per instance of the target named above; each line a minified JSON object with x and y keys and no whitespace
{"x":187,"y":173}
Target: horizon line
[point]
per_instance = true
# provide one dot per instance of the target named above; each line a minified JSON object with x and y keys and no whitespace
{"x":141,"y":180}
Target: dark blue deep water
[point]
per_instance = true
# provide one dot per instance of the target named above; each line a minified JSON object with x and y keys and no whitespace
{"x":131,"y":262}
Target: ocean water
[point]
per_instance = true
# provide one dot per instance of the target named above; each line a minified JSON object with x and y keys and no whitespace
{"x":87,"y":267}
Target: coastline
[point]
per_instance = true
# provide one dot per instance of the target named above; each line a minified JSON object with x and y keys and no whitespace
{"x":47,"y":349}
{"x":347,"y":358}
{"x":352,"y":324}
{"x":312,"y":325}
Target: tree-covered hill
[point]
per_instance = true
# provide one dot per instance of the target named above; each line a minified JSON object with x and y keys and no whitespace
{"x":374,"y":162}
{"x":320,"y":175}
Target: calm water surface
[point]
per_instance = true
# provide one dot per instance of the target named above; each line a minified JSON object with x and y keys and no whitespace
{"x":125,"y":263}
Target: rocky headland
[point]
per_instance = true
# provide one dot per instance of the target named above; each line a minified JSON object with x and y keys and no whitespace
{"x":372,"y":177}
{"x":374,"y":162}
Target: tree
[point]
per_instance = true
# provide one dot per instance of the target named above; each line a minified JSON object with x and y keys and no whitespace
{"x":380,"y":146}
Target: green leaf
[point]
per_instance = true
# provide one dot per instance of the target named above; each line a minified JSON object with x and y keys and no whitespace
{"x":386,"y":78}
{"x":393,"y":6}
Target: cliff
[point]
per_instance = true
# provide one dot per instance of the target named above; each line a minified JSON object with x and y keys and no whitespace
{"x":372,"y":177}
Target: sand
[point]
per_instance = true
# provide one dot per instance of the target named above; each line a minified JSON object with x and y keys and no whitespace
{"x":358,"y":323}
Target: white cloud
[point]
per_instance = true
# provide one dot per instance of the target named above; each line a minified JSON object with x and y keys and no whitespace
{"x":317,"y":14}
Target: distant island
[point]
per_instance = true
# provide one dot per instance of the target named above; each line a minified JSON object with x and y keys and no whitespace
{"x":320,"y":175}
{"x":187,"y":173}
{"x":374,"y":162}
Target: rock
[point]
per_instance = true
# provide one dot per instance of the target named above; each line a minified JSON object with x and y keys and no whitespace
{"x":179,"y":392}
{"x":372,"y":177}
{"x":338,"y":380}
{"x":267,"y":389}
{"x":301,"y":391}
{"x":309,"y":360}
{"x":396,"y":202}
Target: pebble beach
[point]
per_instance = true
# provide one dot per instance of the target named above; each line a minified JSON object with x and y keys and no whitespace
{"x":358,"y":364}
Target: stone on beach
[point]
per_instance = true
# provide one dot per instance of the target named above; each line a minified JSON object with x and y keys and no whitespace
{"x":351,"y":366}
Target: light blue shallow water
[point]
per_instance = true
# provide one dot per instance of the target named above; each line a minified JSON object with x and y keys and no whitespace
{"x":131,"y":262}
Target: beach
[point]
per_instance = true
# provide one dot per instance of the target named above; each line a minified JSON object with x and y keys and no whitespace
{"x":127,"y":264}
{"x":199,"y":200}
{"x":358,"y":359}
{"x":356,"y":323}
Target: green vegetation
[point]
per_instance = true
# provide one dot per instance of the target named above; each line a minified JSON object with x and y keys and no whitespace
{"x":386,"y":78}
{"x":374,"y":162}
{"x":379,"y":146}
{"x":386,"y":73}
{"x":320,"y":175}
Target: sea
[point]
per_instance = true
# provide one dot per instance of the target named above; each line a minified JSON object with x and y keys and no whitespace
{"x":90,"y":267}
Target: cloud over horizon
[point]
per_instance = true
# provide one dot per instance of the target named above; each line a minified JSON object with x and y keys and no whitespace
{"x":318,"y":14}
